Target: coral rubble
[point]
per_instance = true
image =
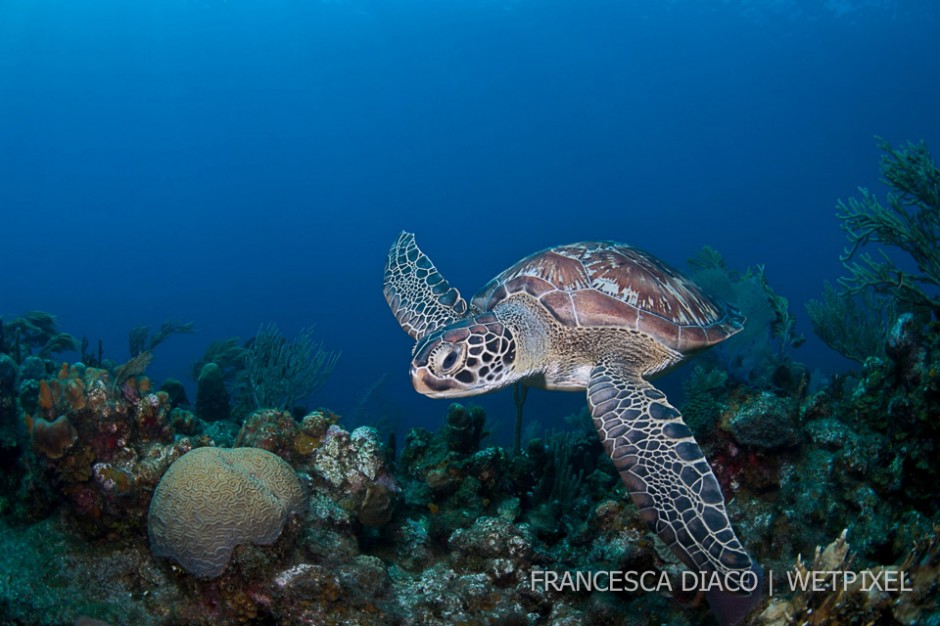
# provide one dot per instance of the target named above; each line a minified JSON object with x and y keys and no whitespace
{"x":830,"y":590}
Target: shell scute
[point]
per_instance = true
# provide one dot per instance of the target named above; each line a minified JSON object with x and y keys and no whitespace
{"x":606,"y":284}
{"x":604,"y":310}
{"x":559,"y":304}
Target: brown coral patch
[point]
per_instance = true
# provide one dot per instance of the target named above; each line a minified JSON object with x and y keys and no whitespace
{"x":304,"y":444}
{"x":46,"y":402}
{"x":54,"y":438}
{"x":377,"y":506}
{"x":75,"y":394}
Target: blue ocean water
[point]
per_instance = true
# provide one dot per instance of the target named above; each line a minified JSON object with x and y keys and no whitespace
{"x":237,"y":163}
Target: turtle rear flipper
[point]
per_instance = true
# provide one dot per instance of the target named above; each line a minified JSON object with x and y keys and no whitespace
{"x":421,"y":300}
{"x":670,"y":481}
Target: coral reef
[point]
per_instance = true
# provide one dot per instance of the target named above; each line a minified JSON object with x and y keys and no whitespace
{"x":854,"y":325}
{"x":910,"y":223}
{"x":49,"y":575}
{"x":100,"y":446}
{"x":8,"y":408}
{"x":472,"y":530}
{"x":212,"y":399}
{"x":859,"y":453}
{"x":212,"y":500}
{"x":832,"y":591}
{"x":176,"y":392}
{"x":452,"y":531}
{"x":227,"y":354}
{"x":349,"y":469}
{"x":34,"y":330}
{"x":279,"y":373}
{"x":140,"y":339}
{"x":278,"y":432}
{"x":464,"y":429}
{"x":764,"y":421}
{"x":761,"y":349}
{"x":53,"y":439}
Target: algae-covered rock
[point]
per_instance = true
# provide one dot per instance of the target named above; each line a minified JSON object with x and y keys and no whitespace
{"x":212,"y":399}
{"x":353,"y":468}
{"x":8,"y":409}
{"x":176,"y":392}
{"x":33,"y":368}
{"x":493,"y":546}
{"x":464,"y":428}
{"x":8,"y":375}
{"x":764,"y":422}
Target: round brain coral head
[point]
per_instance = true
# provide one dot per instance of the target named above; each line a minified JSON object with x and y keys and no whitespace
{"x":212,"y":500}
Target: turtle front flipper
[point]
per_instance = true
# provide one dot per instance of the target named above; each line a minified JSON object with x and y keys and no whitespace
{"x":421,"y":300}
{"x":670,"y":481}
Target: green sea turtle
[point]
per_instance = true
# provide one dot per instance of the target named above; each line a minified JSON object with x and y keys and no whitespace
{"x":602,"y":317}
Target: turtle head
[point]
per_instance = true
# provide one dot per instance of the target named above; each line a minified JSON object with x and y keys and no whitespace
{"x":467,"y":358}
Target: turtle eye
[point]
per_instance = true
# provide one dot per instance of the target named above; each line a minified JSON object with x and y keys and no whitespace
{"x":447,"y":358}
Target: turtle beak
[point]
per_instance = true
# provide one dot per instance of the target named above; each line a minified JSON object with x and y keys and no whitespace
{"x":427,"y":384}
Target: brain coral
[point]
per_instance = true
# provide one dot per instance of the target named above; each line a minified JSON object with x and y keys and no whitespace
{"x":212,"y":500}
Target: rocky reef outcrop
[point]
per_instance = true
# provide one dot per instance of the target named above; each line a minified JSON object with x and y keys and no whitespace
{"x":453,"y":530}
